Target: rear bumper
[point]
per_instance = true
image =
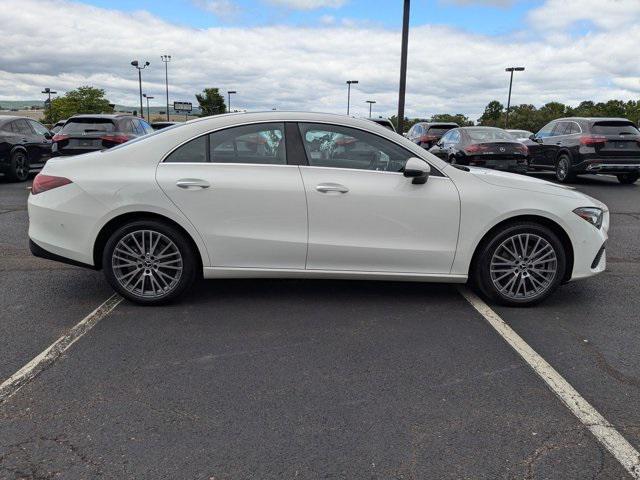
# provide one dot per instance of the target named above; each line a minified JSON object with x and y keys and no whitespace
{"x":38,"y":251}
{"x":609,"y":165}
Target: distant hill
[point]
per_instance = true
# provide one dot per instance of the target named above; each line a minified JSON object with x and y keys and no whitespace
{"x":26,"y":104}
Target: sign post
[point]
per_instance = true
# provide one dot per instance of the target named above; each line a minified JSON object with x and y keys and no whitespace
{"x":185,"y":107}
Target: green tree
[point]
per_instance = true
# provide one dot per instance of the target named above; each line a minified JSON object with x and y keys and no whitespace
{"x":211,"y":102}
{"x":84,"y":99}
{"x":493,"y":115}
{"x":458,"y":118}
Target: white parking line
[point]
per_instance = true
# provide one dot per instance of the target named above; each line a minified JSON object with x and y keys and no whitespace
{"x":48,"y":356}
{"x":604,"y":432}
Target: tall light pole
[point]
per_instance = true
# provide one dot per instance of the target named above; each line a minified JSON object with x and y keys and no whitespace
{"x":349,"y":82}
{"x":166,"y":59}
{"x":510,"y":69}
{"x":370,"y":102}
{"x":136,"y":64}
{"x":403,"y":65}
{"x":229,"y":93}
{"x":148,"y":97}
{"x":49,"y":92}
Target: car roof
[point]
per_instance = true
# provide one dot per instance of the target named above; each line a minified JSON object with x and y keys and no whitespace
{"x":8,"y":118}
{"x":595,"y":119}
{"x":101,"y":115}
{"x":437,"y":124}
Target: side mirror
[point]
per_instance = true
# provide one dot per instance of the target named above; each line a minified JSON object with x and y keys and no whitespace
{"x":48,"y":135}
{"x":534,"y":138}
{"x":417,"y":169}
{"x":404,"y":134}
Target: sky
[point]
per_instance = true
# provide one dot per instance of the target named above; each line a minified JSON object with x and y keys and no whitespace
{"x":298,"y":54}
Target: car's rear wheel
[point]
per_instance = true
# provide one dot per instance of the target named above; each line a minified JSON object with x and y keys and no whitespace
{"x":149,"y":262}
{"x":564,"y":171}
{"x":19,"y":167}
{"x":520,"y":265}
{"x":628,"y":178}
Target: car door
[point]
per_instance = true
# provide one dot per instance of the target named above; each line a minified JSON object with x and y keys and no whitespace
{"x":364,"y":215}
{"x":553,"y":143}
{"x":43,"y":138}
{"x":238,"y":190}
{"x":537,"y":148}
{"x":28,"y":139}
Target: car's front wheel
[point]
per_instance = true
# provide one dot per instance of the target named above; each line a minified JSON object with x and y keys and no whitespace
{"x":149,"y":262}
{"x":564,"y":170}
{"x":520,"y":265}
{"x":628,"y":178}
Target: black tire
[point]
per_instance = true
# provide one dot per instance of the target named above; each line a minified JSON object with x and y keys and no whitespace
{"x":628,"y":178}
{"x":481,"y":274}
{"x":18,"y":167}
{"x":185,"y":258}
{"x":564,"y":169}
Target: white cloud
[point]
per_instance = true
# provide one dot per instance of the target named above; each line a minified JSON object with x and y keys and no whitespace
{"x":490,"y":3}
{"x":308,"y":4}
{"x":603,"y":14}
{"x":224,"y":9}
{"x":304,"y":68}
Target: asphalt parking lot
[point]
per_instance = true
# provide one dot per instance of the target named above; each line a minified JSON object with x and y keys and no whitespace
{"x":315,"y":379}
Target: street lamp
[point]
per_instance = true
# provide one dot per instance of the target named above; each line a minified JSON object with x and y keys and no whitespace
{"x":136,"y":64}
{"x":403,"y":65}
{"x":49,"y":92}
{"x":229,"y":93}
{"x":349,"y":82}
{"x":148,"y":97}
{"x":166,"y":59}
{"x":510,"y":69}
{"x":370,"y":102}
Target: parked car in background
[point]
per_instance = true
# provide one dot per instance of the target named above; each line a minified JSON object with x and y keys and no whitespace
{"x":574,"y":146}
{"x":385,"y":122}
{"x":307,"y":195}
{"x":521,"y":135}
{"x":88,"y":133}
{"x":161,"y":125}
{"x":25,"y":146}
{"x":58,"y":126}
{"x":488,"y":147}
{"x":427,"y":134}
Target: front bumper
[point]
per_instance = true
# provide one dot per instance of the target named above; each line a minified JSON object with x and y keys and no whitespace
{"x":589,"y":246}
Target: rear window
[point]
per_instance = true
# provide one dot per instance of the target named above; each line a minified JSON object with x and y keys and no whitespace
{"x":614,"y":128}
{"x":440,"y":129}
{"x":488,"y":134}
{"x":88,"y":125}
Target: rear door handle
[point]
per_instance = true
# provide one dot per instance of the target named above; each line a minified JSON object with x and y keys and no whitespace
{"x":331,"y":187}
{"x":192,"y":183}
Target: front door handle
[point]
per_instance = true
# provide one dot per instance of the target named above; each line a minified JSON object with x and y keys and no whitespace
{"x":192,"y":183}
{"x":331,"y":187}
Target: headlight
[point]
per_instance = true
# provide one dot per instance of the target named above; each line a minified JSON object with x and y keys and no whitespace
{"x":593,"y":215}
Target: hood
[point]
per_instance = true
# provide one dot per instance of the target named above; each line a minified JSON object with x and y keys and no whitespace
{"x":523,"y":182}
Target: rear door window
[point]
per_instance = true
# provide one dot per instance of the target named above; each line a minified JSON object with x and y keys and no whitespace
{"x":194,"y":151}
{"x":22,"y":127}
{"x":614,"y":128}
{"x":559,"y":129}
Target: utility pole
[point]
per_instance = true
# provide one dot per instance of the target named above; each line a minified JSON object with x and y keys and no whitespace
{"x":370,"y":102}
{"x":166,"y":59}
{"x":229,"y":93}
{"x":148,"y":98}
{"x":349,"y":82}
{"x":510,"y":69}
{"x":136,"y":64}
{"x":49,"y":92}
{"x":403,"y":65}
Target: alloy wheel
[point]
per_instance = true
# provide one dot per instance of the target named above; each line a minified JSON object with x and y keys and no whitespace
{"x":563,"y":168}
{"x":21,"y":168}
{"x":523,"y":266}
{"x":147,"y":264}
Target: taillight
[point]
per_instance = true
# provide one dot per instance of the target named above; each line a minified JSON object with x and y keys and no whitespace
{"x":523,"y":149}
{"x":42,"y":183}
{"x":115,"y":138}
{"x":592,"y":140}
{"x":428,"y":138}
{"x":59,"y":136}
{"x":476,"y":148}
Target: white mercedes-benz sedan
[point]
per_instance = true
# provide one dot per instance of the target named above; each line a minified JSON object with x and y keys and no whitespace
{"x":311,"y":195}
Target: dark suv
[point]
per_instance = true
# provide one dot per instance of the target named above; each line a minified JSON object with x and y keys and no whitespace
{"x":88,"y":133}
{"x":25,"y":145}
{"x":427,"y":134}
{"x":573,"y":146}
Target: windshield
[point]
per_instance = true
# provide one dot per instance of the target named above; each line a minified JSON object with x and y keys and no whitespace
{"x":615,"y":128}
{"x":88,"y":125}
{"x":488,"y":134}
{"x":144,"y":137}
